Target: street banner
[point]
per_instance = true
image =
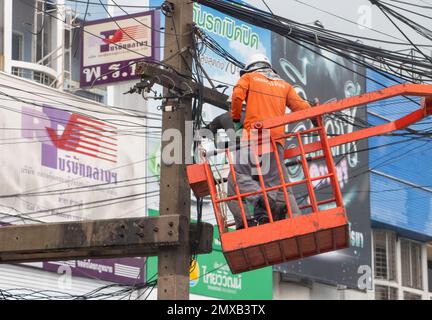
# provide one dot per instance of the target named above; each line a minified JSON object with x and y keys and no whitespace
{"x":111,"y":47}
{"x":317,"y":74}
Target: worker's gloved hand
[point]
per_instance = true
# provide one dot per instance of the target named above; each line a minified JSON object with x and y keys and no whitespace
{"x":237,"y":125}
{"x":314,"y":103}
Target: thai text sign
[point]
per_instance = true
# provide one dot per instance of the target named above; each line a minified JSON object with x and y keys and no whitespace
{"x":111,"y":47}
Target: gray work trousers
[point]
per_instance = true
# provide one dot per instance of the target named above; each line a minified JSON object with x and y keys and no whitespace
{"x":248,"y":181}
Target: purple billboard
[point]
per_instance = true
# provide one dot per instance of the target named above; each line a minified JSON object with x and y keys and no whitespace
{"x":129,"y":271}
{"x":111,"y":47}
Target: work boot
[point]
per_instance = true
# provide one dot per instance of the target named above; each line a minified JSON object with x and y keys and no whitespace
{"x":263,"y":219}
{"x":250,"y":221}
{"x":260,"y":212}
{"x":280,"y":212}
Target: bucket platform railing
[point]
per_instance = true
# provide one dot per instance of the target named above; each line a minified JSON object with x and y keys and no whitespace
{"x":322,"y":225}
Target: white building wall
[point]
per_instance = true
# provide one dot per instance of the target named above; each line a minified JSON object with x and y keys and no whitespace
{"x":19,"y":277}
{"x":7,"y":35}
{"x":16,"y":276}
{"x":59,"y":45}
{"x":318,"y":291}
{"x":289,"y":290}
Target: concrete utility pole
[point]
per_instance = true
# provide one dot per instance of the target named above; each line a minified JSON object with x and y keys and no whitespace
{"x":173,"y":263}
{"x":169,"y":236}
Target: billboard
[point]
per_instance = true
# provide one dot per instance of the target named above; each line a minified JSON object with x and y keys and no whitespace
{"x":66,"y":158}
{"x":312,"y":75}
{"x":110,"y":47}
{"x":210,"y":276}
{"x":128,"y":271}
{"x":240,"y":39}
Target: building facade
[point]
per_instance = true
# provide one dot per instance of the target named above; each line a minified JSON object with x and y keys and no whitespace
{"x":39,"y":42}
{"x":40,"y":71}
{"x":401,"y":203}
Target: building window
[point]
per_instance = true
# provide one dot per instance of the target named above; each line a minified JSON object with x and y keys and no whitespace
{"x":17,"y":46}
{"x":411,"y":296}
{"x":411,"y":259}
{"x":385,"y":293}
{"x":90,"y":95}
{"x":429,"y":264}
{"x":384,"y":255}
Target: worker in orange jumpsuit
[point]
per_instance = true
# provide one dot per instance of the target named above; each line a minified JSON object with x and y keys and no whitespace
{"x":266,"y":96}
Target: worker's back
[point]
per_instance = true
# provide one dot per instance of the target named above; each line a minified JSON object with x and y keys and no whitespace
{"x":267,"y":96}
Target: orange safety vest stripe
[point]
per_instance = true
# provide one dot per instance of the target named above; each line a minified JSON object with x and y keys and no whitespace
{"x":265,"y":98}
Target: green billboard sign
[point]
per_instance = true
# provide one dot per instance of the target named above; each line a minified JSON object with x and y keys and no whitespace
{"x":210,"y":276}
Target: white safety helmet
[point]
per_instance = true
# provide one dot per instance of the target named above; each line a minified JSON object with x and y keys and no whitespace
{"x":256,"y":58}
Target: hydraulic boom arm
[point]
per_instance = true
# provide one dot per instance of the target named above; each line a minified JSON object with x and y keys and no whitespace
{"x":422,"y":90}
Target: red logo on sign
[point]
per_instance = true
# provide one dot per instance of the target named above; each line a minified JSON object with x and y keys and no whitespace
{"x":126,"y":34}
{"x":87,"y":136}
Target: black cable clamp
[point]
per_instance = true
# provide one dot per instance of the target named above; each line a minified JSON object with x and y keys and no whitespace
{"x":167,"y":9}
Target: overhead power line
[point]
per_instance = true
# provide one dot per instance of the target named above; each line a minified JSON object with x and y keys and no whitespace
{"x":413,"y":4}
{"x":418,"y":28}
{"x":402,"y":42}
{"x":114,"y":5}
{"x":410,"y":68}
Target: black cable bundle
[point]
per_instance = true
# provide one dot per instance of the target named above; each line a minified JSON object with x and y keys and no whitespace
{"x":409,"y":68}
{"x":211,"y":43}
{"x":387,"y":11}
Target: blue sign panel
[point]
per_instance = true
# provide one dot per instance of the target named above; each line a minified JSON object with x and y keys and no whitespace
{"x":401,"y":187}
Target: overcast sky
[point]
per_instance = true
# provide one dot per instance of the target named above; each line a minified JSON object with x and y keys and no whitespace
{"x":356,"y":17}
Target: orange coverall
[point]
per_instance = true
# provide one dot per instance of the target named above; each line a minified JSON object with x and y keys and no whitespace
{"x":265,"y":98}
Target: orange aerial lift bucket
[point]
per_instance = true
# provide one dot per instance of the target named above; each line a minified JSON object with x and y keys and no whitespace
{"x":317,"y":229}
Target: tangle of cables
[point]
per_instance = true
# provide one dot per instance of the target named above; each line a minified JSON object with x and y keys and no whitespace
{"x":387,"y":11}
{"x":112,"y":291}
{"x":197,"y":118}
{"x":407,"y":67}
{"x":210,"y":43}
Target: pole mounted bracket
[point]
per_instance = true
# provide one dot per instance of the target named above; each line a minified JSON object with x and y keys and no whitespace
{"x":111,"y":238}
{"x":177,"y":84}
